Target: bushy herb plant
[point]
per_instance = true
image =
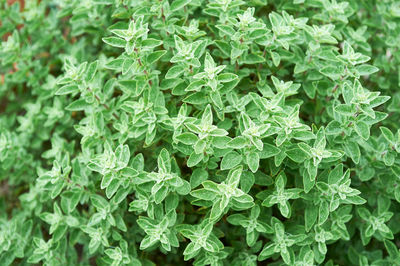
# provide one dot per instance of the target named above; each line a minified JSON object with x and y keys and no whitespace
{"x":200,"y":132}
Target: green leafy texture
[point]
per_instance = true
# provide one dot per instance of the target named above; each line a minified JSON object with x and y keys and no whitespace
{"x":174,"y":132}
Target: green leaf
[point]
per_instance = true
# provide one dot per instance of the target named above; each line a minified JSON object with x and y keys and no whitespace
{"x":194,"y":159}
{"x":106,"y":180}
{"x":276,"y":58}
{"x":336,"y":174}
{"x":67,"y":89}
{"x":392,"y":249}
{"x":238,"y":143}
{"x":297,"y":155}
{"x":69,"y":200}
{"x":353,"y":150}
{"x":91,"y":71}
{"x":151,"y":43}
{"x":112,"y":187}
{"x":310,"y":217}
{"x":387,"y":134}
{"x":253,"y":161}
{"x":323,"y":212}
{"x":115,"y":41}
{"x":269,"y":151}
{"x":198,"y":176}
{"x":227,"y":77}
{"x":114,"y":64}
{"x":196,"y":98}
{"x":203,"y":194}
{"x":254,"y":59}
{"x":195,"y":85}
{"x":345,"y":109}
{"x":174,"y":72}
{"x":155,"y":56}
{"x":226,"y":30}
{"x":187,"y":138}
{"x":332,"y":72}
{"x":247,"y":181}
{"x":179,"y":4}
{"x":267,"y":252}
{"x":365,"y":70}
{"x":230,"y":160}
{"x":362,"y":129}
{"x":78,"y":105}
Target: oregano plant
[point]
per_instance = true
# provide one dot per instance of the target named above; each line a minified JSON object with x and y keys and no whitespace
{"x":199,"y":132}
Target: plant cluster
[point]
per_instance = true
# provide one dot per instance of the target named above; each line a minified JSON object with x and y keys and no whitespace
{"x":202,"y":132}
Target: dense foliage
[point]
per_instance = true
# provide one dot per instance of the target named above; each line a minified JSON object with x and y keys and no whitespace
{"x":204,"y":132}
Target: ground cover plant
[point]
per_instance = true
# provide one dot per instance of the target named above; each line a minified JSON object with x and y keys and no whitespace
{"x":199,"y":132}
